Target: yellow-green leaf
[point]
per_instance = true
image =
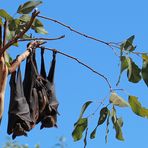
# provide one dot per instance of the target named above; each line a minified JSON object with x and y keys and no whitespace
{"x":5,"y":15}
{"x":137,"y":108}
{"x":80,"y":127}
{"x":118,"y":101}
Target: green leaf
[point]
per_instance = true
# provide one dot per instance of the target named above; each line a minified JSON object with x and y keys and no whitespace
{"x":145,"y":69}
{"x":80,"y":127}
{"x":38,"y":27}
{"x":124,"y":66}
{"x":13,"y":24}
{"x":37,"y":23}
{"x":118,"y":101}
{"x":117,"y":125}
{"x":133,"y":72}
{"x":40,"y":30}
{"x":28,"y":7}
{"x":124,"y":63}
{"x":25,"y":18}
{"x":102,"y":118}
{"x":137,"y":108}
{"x":84,"y":107}
{"x":5,"y":15}
{"x":128,"y":44}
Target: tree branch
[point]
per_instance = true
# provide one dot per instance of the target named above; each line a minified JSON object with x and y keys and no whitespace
{"x":77,"y":32}
{"x":44,"y":39}
{"x":20,"y":35}
{"x":24,"y":55}
{"x":85,"y":65}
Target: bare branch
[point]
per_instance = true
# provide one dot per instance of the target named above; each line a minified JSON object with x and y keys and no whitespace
{"x":73,"y":30}
{"x":139,"y":53}
{"x":20,"y":35}
{"x":85,"y":65}
{"x":44,"y":39}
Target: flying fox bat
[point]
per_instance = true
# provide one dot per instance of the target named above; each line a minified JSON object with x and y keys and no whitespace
{"x":19,"y":120}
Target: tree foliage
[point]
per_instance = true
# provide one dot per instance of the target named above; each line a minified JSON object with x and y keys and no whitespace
{"x":16,"y":30}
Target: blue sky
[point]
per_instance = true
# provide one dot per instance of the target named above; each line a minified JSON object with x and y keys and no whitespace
{"x":109,"y":21}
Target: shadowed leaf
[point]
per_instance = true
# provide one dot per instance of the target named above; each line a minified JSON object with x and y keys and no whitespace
{"x":145,"y":69}
{"x":102,"y":118}
{"x":128,"y":44}
{"x":133,"y":72}
{"x":28,"y":7}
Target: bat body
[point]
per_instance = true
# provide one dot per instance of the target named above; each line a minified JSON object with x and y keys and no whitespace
{"x":19,"y":120}
{"x":30,"y":89}
{"x":49,"y":115}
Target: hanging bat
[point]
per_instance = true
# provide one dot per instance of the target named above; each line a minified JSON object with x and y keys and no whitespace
{"x":19,"y":120}
{"x":30,"y":89}
{"x":49,"y":117}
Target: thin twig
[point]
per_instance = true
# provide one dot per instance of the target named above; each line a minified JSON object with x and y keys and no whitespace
{"x":44,"y":39}
{"x":139,"y":53}
{"x":20,"y":35}
{"x":73,"y":30}
{"x":85,"y":65}
{"x":95,"y":111}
